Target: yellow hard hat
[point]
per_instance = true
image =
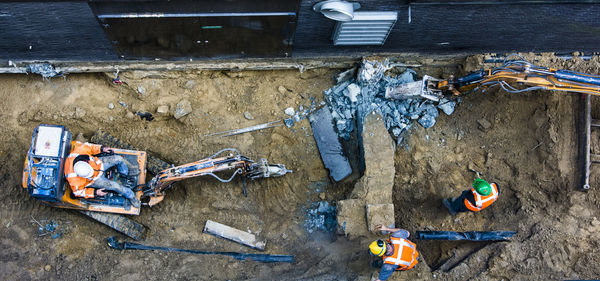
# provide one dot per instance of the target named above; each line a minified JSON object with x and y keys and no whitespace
{"x":377,"y":248}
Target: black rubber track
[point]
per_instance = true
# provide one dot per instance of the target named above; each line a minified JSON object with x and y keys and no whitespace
{"x":119,"y":223}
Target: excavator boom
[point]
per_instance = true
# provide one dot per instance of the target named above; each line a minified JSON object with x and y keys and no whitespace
{"x":228,"y":159}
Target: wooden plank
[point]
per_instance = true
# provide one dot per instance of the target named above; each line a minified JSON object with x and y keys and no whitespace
{"x":235,"y":235}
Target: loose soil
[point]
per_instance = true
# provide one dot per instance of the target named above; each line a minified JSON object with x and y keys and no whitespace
{"x":530,"y":150}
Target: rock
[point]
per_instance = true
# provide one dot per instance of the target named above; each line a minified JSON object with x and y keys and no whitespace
{"x":447,"y":106}
{"x":111,"y":106}
{"x":130,"y":115}
{"x":79,"y":112}
{"x":282,"y":90}
{"x":190,"y":84}
{"x":163,"y":109}
{"x":141,"y":90}
{"x":379,"y":214}
{"x":352,"y":92}
{"x":184,"y":107}
{"x":290,"y":111}
{"x":248,"y":116}
{"x":123,"y":104}
{"x":484,"y":124}
{"x":47,"y":267}
{"x":322,"y":196}
{"x":376,"y":185}
{"x":351,"y":218}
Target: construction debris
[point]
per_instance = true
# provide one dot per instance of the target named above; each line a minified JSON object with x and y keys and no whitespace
{"x":330,"y":148}
{"x":113,"y":243}
{"x":235,"y":235}
{"x":353,"y":98}
{"x":321,"y":216}
{"x":46,"y":70}
{"x":246,"y":130}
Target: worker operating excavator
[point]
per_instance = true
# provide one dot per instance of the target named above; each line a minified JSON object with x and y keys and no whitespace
{"x":480,"y":196}
{"x":397,"y":253}
{"x":85,"y":172}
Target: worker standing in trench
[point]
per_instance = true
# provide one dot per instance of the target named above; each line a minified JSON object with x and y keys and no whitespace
{"x":481,"y":195}
{"x":398,"y":254}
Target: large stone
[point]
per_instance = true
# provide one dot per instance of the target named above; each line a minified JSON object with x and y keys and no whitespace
{"x":163,"y":109}
{"x":330,"y":148}
{"x":351,"y":217}
{"x":375,"y":187}
{"x":183,"y":108}
{"x":380,"y":214}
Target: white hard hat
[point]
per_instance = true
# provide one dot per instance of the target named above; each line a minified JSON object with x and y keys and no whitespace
{"x":83,"y":169}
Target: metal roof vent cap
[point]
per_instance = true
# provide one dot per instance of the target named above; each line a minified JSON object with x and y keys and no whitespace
{"x":337,"y":10}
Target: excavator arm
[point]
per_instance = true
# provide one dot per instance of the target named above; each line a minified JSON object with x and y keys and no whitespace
{"x":517,"y":76}
{"x":225,"y":160}
{"x":514,"y":76}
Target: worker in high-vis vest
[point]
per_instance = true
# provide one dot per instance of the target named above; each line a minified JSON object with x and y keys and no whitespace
{"x":480,"y":196}
{"x":85,"y":172}
{"x":397,"y":253}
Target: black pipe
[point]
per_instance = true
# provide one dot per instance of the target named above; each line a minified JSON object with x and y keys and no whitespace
{"x":113,"y":243}
{"x":469,"y":236}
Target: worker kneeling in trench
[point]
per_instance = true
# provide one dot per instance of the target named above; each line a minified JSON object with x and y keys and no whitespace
{"x":481,"y":195}
{"x":398,"y":254}
{"x":84,"y":172}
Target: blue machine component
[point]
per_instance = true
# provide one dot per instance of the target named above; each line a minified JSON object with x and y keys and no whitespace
{"x":475,"y":76}
{"x":45,"y":180}
{"x":577,"y":77}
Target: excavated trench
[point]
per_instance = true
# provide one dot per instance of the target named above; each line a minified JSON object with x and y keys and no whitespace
{"x":527,"y":145}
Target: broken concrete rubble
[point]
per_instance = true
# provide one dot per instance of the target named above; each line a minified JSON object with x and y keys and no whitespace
{"x":352,"y":98}
{"x":183,"y":108}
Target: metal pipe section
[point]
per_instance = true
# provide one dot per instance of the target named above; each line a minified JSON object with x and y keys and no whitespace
{"x":468,"y":236}
{"x":587,"y":127}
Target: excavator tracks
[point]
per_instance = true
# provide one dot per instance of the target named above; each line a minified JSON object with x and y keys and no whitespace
{"x":119,"y":223}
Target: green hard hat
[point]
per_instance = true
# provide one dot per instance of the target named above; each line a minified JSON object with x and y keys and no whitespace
{"x":482,"y":187}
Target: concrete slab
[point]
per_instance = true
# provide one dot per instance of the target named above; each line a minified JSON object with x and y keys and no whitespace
{"x":375,"y":187}
{"x":329,"y":145}
{"x":351,"y":217}
{"x":235,"y":235}
{"x":379,"y":214}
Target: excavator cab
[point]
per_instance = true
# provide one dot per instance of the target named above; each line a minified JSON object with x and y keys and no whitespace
{"x":43,"y":174}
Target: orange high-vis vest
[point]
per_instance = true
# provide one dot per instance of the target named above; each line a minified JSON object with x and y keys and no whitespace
{"x":405,"y":254}
{"x":78,"y":184}
{"x":482,"y":202}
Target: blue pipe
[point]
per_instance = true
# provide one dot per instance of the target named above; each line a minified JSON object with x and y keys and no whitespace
{"x":577,"y":77}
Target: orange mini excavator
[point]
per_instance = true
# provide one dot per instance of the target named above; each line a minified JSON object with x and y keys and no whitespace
{"x":43,"y":177}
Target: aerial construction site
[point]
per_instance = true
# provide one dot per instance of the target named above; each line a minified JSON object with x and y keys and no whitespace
{"x":285,"y":154}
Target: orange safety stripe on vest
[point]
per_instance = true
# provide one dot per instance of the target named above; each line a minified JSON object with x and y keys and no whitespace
{"x":79,"y":184}
{"x":405,"y":254}
{"x":482,"y":202}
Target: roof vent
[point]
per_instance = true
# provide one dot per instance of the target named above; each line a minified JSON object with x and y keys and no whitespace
{"x":365,"y":28}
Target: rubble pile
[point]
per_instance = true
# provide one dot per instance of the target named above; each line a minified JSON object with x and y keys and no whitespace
{"x":354,"y":97}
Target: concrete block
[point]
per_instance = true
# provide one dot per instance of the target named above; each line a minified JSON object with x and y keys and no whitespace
{"x":376,"y":185}
{"x":379,"y":214}
{"x":351,"y":218}
{"x":235,"y":235}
